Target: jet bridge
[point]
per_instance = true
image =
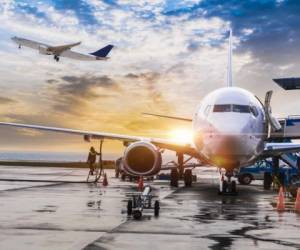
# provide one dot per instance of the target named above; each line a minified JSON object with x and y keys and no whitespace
{"x":290,"y":129}
{"x":291,"y":83}
{"x":290,"y":126}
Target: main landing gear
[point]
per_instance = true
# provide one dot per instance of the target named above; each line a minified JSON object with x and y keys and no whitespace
{"x":227,"y":187}
{"x":187,"y":177}
{"x":179,"y":172}
{"x":56,"y":58}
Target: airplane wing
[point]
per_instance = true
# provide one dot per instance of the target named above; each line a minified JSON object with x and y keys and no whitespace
{"x":60,"y":49}
{"x":29,"y":43}
{"x":161,"y":143}
{"x":278,"y":148}
{"x":169,"y":117}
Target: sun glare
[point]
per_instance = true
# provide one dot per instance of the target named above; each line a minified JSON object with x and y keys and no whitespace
{"x":181,"y":135}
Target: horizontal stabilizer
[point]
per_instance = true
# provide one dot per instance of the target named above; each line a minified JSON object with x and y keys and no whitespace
{"x":170,"y":117}
{"x":103,"y":52}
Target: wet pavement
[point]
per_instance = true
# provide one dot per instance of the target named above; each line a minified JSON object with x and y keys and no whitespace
{"x":45,"y":209}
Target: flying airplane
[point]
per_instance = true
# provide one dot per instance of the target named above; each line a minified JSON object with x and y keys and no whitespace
{"x":63,"y":50}
{"x":232,"y":129}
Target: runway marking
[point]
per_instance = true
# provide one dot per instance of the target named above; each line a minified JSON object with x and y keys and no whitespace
{"x":53,"y":229}
{"x":34,"y":180}
{"x":29,"y":187}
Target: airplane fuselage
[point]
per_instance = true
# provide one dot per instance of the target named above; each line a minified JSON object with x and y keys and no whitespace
{"x":64,"y":50}
{"x":229,"y":128}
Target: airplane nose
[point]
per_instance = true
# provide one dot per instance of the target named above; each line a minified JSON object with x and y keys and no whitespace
{"x":234,"y":127}
{"x":231,"y":144}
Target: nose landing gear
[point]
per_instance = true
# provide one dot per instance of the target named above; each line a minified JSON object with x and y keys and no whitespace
{"x":227,"y":187}
{"x":56,"y":58}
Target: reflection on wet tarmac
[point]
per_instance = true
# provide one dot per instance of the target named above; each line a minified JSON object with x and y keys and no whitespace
{"x":94,"y":217}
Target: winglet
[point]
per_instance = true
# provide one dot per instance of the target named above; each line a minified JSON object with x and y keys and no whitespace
{"x":229,"y":65}
{"x":103,"y":52}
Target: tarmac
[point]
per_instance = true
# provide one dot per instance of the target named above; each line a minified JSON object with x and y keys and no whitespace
{"x":52,"y":208}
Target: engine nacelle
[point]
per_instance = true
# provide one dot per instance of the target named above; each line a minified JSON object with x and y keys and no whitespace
{"x":44,"y":50}
{"x":142,"y":159}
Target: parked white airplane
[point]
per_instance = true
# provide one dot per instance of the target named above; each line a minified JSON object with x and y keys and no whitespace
{"x":231,"y":130}
{"x":63,"y":50}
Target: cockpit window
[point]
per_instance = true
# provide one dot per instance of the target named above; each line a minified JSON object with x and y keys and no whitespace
{"x":222,"y":108}
{"x":241,"y":108}
{"x":231,"y":108}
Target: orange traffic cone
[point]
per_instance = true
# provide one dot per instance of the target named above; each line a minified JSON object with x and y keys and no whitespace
{"x":141,"y":184}
{"x":297,"y":203}
{"x":280,"y":201}
{"x":105,"y":182}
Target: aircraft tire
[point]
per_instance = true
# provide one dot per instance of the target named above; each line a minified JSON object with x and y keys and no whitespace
{"x":188,"y":177}
{"x":174,"y":178}
{"x":129,"y":207}
{"x":156,"y":208}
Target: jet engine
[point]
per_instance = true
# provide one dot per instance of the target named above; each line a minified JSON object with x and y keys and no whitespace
{"x":142,"y":159}
{"x":44,"y":50}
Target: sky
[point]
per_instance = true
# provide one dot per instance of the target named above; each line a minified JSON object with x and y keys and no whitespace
{"x":168,"y":55}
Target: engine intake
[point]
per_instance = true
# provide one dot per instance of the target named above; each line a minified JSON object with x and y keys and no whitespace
{"x":142,"y":159}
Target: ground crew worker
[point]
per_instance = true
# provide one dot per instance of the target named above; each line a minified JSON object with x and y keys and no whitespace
{"x":91,"y":160}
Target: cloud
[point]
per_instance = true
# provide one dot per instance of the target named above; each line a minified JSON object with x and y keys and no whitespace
{"x":85,"y":86}
{"x":168,"y":56}
{"x":257,"y":23}
{"x":74,"y":93}
{"x":6,"y":100}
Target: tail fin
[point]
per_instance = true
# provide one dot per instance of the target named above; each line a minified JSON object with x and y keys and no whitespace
{"x":229,"y":65}
{"x":103,"y":52}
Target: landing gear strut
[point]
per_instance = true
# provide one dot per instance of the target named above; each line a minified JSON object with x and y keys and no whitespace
{"x":180,"y":161}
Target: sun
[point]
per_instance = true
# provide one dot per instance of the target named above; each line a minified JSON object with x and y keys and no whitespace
{"x":181,"y":135}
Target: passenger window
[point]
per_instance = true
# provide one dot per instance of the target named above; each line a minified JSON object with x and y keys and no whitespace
{"x":222,"y":108}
